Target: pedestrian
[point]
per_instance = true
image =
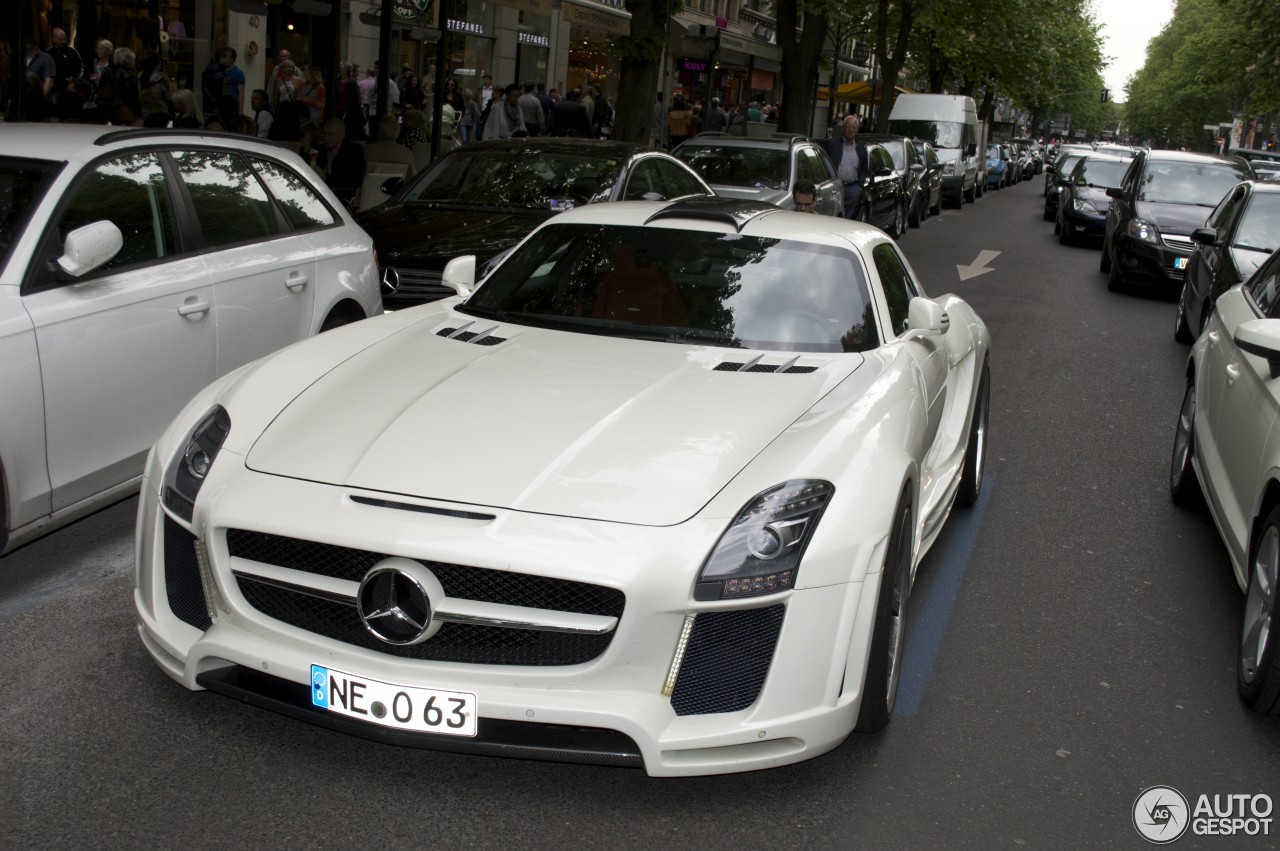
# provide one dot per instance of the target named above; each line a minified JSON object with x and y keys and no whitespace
{"x":470,"y":117}
{"x":313,"y":94}
{"x":849,"y":156}
{"x":413,"y":96}
{"x":101,"y":59}
{"x":288,"y":84}
{"x":453,"y":96}
{"x":716,"y":120}
{"x":804,"y":195}
{"x":678,"y":123}
{"x":277,"y":75}
{"x":155,"y":87}
{"x":486,"y":91}
{"x":531,"y":110}
{"x":341,"y":161}
{"x":40,"y":65}
{"x":263,"y":117}
{"x":570,"y":117}
{"x":233,"y":82}
{"x":66,"y":62}
{"x":185,"y":111}
{"x":506,"y":119}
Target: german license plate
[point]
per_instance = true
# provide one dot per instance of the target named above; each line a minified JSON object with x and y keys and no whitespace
{"x":1179,"y":262}
{"x":424,"y":710}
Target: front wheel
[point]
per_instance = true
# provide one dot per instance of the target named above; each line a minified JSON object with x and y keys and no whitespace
{"x":1183,"y":486}
{"x":889,"y":633}
{"x":1258,"y":665}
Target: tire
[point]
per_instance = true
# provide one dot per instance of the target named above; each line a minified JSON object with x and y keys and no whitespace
{"x":1049,"y":215}
{"x":1257,"y":663}
{"x":975,"y":451}
{"x":1064,"y":234}
{"x":1104,"y":264}
{"x":971,"y":194}
{"x":914,"y":217}
{"x":900,"y":219}
{"x":936,"y":209}
{"x":888,"y":635}
{"x":1184,"y":489}
{"x":1115,"y":281}
{"x":1057,"y":225}
{"x":1181,"y":331}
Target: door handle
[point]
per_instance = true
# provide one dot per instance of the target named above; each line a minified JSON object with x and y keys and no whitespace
{"x":296,"y":281}
{"x":1213,"y":337}
{"x":194,"y":309}
{"x":1233,"y":372}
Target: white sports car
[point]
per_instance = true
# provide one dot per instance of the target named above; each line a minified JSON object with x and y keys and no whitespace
{"x":652,"y":495}
{"x":1228,"y":443}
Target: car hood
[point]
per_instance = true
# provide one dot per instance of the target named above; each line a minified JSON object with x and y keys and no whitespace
{"x":1174,"y":218}
{"x":546,"y":421}
{"x":768,"y":196}
{"x":429,"y":235}
{"x":1095,"y":195}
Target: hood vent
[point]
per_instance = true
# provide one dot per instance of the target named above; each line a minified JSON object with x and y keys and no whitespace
{"x":756,"y":365}
{"x":421,"y":509}
{"x":464,"y":334}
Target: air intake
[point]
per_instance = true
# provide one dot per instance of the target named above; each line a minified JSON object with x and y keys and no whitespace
{"x":464,"y":334}
{"x":757,"y":364}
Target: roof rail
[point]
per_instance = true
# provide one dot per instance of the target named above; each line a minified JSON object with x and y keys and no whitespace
{"x":127,"y":133}
{"x":731,"y":211}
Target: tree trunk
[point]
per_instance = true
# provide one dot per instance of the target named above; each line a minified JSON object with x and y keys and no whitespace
{"x":892,"y":58}
{"x":641,"y":68}
{"x":801,"y":51}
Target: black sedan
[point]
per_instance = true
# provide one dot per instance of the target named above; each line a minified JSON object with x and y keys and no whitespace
{"x":1082,"y":198}
{"x":908,"y":169}
{"x":1237,"y":237}
{"x":1061,"y":172}
{"x":483,"y":198}
{"x":884,"y":201}
{"x":1165,"y":196}
{"x":931,"y":180}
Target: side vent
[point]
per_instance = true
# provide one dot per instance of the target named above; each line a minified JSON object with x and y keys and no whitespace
{"x":756,"y":365}
{"x":464,"y":334}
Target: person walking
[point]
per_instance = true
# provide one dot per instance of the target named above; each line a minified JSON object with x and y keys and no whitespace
{"x":470,"y":117}
{"x":531,"y":110}
{"x":678,"y":123}
{"x":570,"y":117}
{"x":849,"y":156}
{"x":716,"y":120}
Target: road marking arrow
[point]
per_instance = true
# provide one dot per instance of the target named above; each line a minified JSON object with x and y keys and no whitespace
{"x":979,"y":266}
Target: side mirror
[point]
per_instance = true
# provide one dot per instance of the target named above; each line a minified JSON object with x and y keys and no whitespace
{"x":926,"y":318}
{"x":1049,"y":169}
{"x":460,"y":274}
{"x":1261,"y":338}
{"x":972,"y":150}
{"x":883,"y":172}
{"x":392,"y":185}
{"x":1205,"y":236}
{"x":1115,"y":192}
{"x":88,"y":247}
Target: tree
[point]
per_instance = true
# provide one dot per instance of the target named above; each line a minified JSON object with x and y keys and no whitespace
{"x":801,"y":51}
{"x":641,"y":53}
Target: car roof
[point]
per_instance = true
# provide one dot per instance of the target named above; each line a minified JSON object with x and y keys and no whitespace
{"x":83,"y":142}
{"x":560,"y":145}
{"x":1190,"y":157}
{"x":883,"y":137}
{"x":716,"y":139}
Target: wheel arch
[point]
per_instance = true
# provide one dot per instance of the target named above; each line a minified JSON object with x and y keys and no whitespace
{"x":346,"y":310}
{"x":1270,"y":499}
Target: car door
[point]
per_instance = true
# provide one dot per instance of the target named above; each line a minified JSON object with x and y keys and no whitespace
{"x":263,"y":273}
{"x":1121,"y":203}
{"x":125,"y":346}
{"x":931,"y":364}
{"x":830,"y":200}
{"x":1246,"y":409}
{"x":883,"y":188}
{"x":1205,"y":266}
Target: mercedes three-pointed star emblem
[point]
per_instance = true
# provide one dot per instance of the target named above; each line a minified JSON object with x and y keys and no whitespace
{"x":394,"y":606}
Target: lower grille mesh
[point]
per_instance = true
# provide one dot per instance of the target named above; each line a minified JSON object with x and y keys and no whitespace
{"x":182,"y":576}
{"x":727,"y":660}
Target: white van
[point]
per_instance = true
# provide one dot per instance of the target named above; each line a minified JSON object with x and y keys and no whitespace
{"x":950,"y":124}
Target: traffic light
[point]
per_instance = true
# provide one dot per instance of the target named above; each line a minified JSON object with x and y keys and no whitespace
{"x":1105,"y":94}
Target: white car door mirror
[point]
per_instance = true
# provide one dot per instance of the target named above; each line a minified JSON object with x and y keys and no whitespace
{"x":1261,"y":338}
{"x":925,"y":317}
{"x":88,"y":247}
{"x":460,"y":275}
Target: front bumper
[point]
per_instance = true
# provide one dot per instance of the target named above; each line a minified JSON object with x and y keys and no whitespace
{"x":608,"y":709}
{"x":1151,"y":263}
{"x":1084,"y":225}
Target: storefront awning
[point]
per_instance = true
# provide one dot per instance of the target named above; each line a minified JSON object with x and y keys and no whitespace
{"x":858,"y":92}
{"x":596,"y":16}
{"x":749,"y":47}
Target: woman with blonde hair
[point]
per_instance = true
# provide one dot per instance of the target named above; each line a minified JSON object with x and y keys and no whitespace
{"x":470,"y":116}
{"x":185,"y":111}
{"x":313,"y":94}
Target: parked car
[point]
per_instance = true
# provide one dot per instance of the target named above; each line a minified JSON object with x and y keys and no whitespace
{"x":998,"y":170}
{"x":136,"y":266}
{"x":629,"y":555}
{"x":931,"y":180}
{"x":907,"y":168}
{"x":1237,"y":237}
{"x":484,"y":198}
{"x":1052,"y":167}
{"x":1083,"y":201}
{"x":1123,"y":151}
{"x":950,"y":124}
{"x":1163,"y":198}
{"x":884,"y":201}
{"x":1032,"y":164}
{"x":1225,"y":451}
{"x":1061,"y":173}
{"x":764,"y":169}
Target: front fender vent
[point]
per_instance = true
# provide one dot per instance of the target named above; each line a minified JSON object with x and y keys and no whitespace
{"x":464,"y":334}
{"x":757,"y":364}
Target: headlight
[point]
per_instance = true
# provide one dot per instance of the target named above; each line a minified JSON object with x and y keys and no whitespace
{"x":949,"y":168}
{"x":1082,"y":206}
{"x":1143,"y":230}
{"x":760,"y":551}
{"x":189,"y":467}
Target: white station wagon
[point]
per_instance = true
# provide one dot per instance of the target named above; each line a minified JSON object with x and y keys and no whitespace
{"x":137,"y":266}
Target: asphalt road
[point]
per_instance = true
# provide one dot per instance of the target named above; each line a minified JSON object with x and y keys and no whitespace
{"x":1072,"y":644}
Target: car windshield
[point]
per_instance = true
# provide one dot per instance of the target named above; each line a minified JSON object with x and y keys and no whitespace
{"x":896,"y":151}
{"x":993,"y":152}
{"x":683,"y":286}
{"x":1116,"y":151}
{"x":1065,"y":165}
{"x":1202,"y":183}
{"x":22,"y":184}
{"x":516,"y":177}
{"x":1260,"y":228}
{"x":940,"y":134}
{"x":1100,"y":173}
{"x":759,"y":168}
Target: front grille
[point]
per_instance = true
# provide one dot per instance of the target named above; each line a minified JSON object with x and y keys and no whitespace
{"x":727,"y":660}
{"x":1178,"y":241}
{"x":455,"y":642}
{"x":421,"y":283}
{"x":182,"y":576}
{"x":466,"y":583}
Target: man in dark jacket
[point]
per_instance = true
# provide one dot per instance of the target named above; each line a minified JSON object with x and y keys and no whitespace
{"x":849,"y":156}
{"x":570,"y":117}
{"x":341,"y":160}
